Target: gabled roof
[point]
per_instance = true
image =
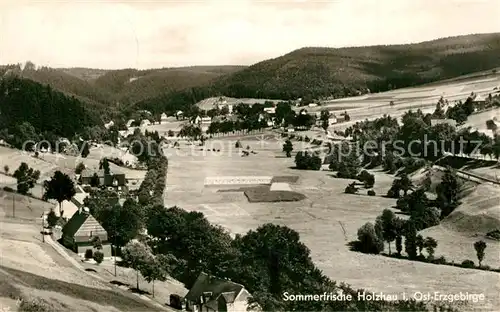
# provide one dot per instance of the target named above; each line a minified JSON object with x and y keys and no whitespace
{"x":205,"y":283}
{"x":89,"y":173}
{"x":478,"y":98}
{"x":82,"y":226}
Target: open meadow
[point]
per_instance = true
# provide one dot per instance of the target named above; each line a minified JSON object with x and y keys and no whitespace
{"x":327,"y":219}
{"x":423,"y":97}
{"x":48,"y":163}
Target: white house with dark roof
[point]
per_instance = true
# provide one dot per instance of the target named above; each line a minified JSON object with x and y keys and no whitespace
{"x":213,"y":294}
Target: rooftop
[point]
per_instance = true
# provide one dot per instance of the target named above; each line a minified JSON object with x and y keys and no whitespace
{"x":216,"y":286}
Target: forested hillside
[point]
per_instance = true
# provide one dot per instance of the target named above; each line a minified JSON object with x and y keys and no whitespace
{"x":307,"y":73}
{"x":114,"y":88}
{"x":322,"y":72}
{"x":29,"y":110}
{"x":130,"y":86}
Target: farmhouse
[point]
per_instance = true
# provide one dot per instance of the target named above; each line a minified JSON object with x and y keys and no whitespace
{"x":109,"y":124}
{"x":145,"y":123}
{"x":202,"y":121}
{"x":450,"y":122}
{"x":197,"y":120}
{"x":213,"y":294}
{"x":113,"y":179}
{"x":80,"y":231}
{"x":163,"y":118}
{"x":270,"y":110}
{"x":479,"y":102}
{"x":129,"y":123}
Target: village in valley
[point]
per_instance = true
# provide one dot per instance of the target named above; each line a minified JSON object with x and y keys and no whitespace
{"x":240,"y":193}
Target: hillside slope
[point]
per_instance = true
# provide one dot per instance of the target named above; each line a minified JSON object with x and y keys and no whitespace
{"x":346,"y":71}
{"x":129,"y":86}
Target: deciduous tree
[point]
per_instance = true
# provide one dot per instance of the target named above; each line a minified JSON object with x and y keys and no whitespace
{"x":411,"y":240}
{"x":60,"y":187}
{"x":26,"y":178}
{"x":136,"y":255}
{"x":288,"y":148}
{"x":387,"y":220}
{"x":480,"y":246}
{"x":79,"y":168}
{"x":430,"y":245}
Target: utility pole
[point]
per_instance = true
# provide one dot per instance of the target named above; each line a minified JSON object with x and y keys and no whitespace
{"x":13,"y":204}
{"x":115,"y":260}
{"x":43,"y":227}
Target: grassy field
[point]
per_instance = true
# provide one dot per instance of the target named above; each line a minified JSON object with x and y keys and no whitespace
{"x":423,"y":97}
{"x":32,"y":268}
{"x":478,"y":121}
{"x":211,"y":102}
{"x":48,"y":163}
{"x":327,"y":220}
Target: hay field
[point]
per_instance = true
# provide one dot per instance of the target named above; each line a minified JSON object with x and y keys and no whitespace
{"x":327,"y":220}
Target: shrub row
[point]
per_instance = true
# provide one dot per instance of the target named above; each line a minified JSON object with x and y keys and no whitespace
{"x":466,"y":264}
{"x":302,"y":138}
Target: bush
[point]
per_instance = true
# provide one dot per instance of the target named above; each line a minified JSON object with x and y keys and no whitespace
{"x":307,"y":161}
{"x":351,"y":188}
{"x":402,"y":204}
{"x":367,"y":178}
{"x":393,"y":192}
{"x":440,"y":260}
{"x":52,"y":219}
{"x":8,"y":189}
{"x":98,"y":257}
{"x":89,"y":254}
{"x":371,"y":193}
{"x":469,"y":264}
{"x":368,"y":240}
{"x":494,"y":234}
{"x":34,"y":305}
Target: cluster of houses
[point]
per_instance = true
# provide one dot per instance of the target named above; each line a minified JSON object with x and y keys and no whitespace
{"x":81,"y":227}
{"x":208,"y":293}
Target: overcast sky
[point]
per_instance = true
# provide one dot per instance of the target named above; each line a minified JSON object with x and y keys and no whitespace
{"x":143,"y":34}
